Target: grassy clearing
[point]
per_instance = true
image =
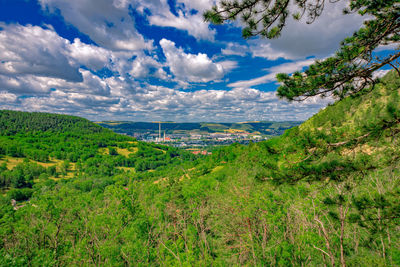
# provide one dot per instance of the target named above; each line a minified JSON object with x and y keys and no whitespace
{"x":104,"y":151}
{"x":131,"y":142}
{"x":218,"y":168}
{"x":121,"y":151}
{"x":11,"y":162}
{"x":125,"y":152}
{"x":127,"y":169}
{"x":163,"y":151}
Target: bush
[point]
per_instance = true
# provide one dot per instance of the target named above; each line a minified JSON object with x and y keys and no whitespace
{"x":20,"y":194}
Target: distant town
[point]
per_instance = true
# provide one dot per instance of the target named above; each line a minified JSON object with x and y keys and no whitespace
{"x":198,"y":139}
{"x":199,"y":135}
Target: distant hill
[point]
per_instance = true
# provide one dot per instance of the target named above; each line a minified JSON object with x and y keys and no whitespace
{"x":12,"y":122}
{"x":261,"y":127}
{"x":50,"y":139}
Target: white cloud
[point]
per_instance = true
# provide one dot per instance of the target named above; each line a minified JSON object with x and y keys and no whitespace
{"x":185,"y":20}
{"x":36,"y":85}
{"x":36,"y":51}
{"x":199,"y":5}
{"x":124,"y":99}
{"x":319,"y":39}
{"x":6,"y":97}
{"x":193,"y":24}
{"x":272,"y":72}
{"x":28,"y":84}
{"x":41,"y":71}
{"x":235,"y":49}
{"x":161,"y":103}
{"x":145,"y":66}
{"x":191,"y":67}
{"x":380,"y":73}
{"x":91,"y":56}
{"x":108,"y":23}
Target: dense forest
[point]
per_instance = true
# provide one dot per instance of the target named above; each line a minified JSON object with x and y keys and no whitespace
{"x":326,"y":193}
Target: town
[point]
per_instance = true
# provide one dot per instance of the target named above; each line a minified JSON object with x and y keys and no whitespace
{"x":199,"y":135}
{"x":199,"y":139}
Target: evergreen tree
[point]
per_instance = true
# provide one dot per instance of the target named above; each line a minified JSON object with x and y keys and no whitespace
{"x":350,"y":70}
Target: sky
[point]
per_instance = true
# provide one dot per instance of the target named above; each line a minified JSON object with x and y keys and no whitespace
{"x":151,"y":60}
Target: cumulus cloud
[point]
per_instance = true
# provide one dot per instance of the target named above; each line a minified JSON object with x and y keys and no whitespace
{"x":158,"y":103}
{"x":122,"y":96}
{"x":320,"y":39}
{"x":108,"y":23}
{"x":6,"y":97}
{"x":194,"y":24}
{"x":41,"y":71}
{"x":30,"y":53}
{"x":28,"y":84}
{"x":36,"y":85}
{"x":188,"y":16}
{"x":272,"y":72}
{"x":191,"y":67}
{"x":36,"y":51}
{"x":93,"y":57}
{"x":145,"y":66}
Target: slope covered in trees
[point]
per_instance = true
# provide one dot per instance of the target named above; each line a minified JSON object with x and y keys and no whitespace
{"x":13,"y":122}
{"x":325,"y":193}
{"x":46,"y":147}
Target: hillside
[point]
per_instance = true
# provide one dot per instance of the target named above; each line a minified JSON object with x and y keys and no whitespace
{"x":38,"y":148}
{"x":13,"y":122}
{"x":326,"y":193}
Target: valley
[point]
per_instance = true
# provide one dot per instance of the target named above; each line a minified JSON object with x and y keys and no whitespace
{"x":199,"y":135}
{"x":326,"y":190}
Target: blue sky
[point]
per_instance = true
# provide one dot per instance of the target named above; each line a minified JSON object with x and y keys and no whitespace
{"x":145,"y":60}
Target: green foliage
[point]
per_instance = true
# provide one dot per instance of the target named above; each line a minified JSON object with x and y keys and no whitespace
{"x":326,"y":193}
{"x":20,"y":194}
{"x":13,"y":122}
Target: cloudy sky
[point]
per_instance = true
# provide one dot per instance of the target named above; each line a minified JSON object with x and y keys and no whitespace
{"x":145,"y":60}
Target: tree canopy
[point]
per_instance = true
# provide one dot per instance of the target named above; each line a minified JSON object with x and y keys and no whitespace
{"x":352,"y":67}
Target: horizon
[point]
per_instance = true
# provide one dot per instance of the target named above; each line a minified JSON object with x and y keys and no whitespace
{"x":216,"y":122}
{"x":155,"y":61}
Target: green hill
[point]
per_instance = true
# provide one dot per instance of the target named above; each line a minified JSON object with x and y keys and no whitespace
{"x":325,"y":193}
{"x":12,"y":122}
{"x":38,"y":148}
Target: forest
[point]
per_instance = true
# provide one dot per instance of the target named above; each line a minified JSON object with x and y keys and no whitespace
{"x":326,"y":193}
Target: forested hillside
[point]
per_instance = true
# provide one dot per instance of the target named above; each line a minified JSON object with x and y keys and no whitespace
{"x":326,"y":193}
{"x":41,"y":148}
{"x":13,"y":122}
